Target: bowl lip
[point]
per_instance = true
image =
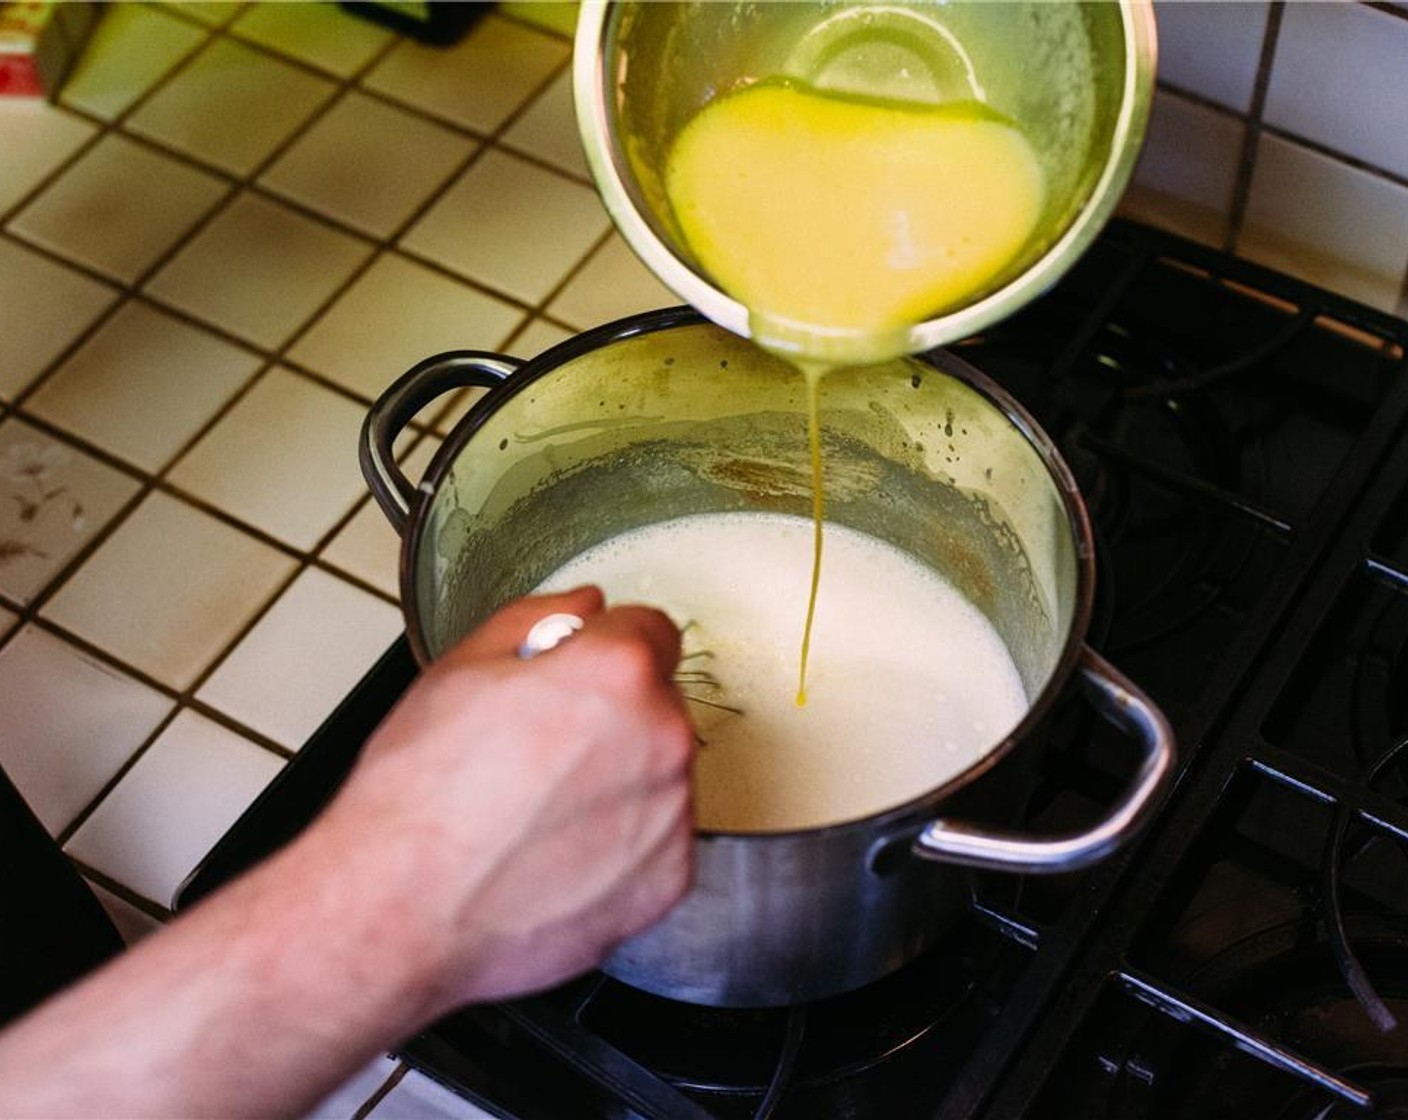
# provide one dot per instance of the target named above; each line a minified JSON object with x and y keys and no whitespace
{"x":593,"y":122}
{"x":903,"y":819}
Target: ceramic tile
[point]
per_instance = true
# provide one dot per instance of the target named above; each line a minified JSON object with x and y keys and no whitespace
{"x":53,"y":500}
{"x":143,"y":385}
{"x":119,"y":208}
{"x":36,"y":138}
{"x":132,"y":923}
{"x":1212,"y":48}
{"x":1327,"y":222}
{"x":1341,"y":79}
{"x":548,"y":129}
{"x":320,"y":34}
{"x":283,"y":459}
{"x":448,"y":417}
{"x":397,"y":313}
{"x":417,"y":1097}
{"x":1187,"y":171}
{"x":480,"y":81}
{"x":133,"y":47}
{"x":259,"y":270}
{"x":613,"y":283}
{"x":348,"y":1099}
{"x":368,"y":164}
{"x":71,"y":723}
{"x":232,"y":106}
{"x":170,"y":808}
{"x":8,"y":619}
{"x":558,"y":16}
{"x":367,"y":547}
{"x":314,"y":644}
{"x":212,"y":13}
{"x":536,"y":337}
{"x":44,"y":307}
{"x":188,"y":582}
{"x":511,"y":225}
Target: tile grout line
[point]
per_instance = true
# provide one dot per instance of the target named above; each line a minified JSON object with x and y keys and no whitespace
{"x":1388,"y":9}
{"x":355,"y":79}
{"x":136,"y":292}
{"x":138,"y":901}
{"x":1393,"y":177}
{"x":1242,"y":184}
{"x":126,"y":291}
{"x":249,"y":183}
{"x":158,"y":480}
{"x":196,"y":21}
{"x":105,"y":125}
{"x":1204,"y":102}
{"x":184,"y":699}
{"x":384,"y":1090}
{"x":304,"y":561}
{"x":149,"y":481}
{"x":313,"y":557}
{"x":180,"y":697}
{"x":380,"y":247}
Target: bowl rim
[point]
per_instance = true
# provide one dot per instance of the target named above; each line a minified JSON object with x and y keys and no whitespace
{"x":593,"y":122}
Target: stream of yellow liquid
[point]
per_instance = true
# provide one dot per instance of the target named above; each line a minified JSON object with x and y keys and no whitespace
{"x":813,"y":374}
{"x":841,"y":222}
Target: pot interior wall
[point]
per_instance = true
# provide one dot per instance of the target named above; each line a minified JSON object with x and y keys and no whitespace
{"x":693,"y":420}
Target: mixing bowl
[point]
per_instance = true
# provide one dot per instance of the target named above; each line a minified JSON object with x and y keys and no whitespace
{"x":1075,"y":78}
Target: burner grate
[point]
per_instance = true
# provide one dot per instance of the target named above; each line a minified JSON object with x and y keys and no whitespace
{"x":1311,"y":983}
{"x":1238,"y":436}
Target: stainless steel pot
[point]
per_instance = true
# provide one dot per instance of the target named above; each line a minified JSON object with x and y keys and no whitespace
{"x":665,"y":414}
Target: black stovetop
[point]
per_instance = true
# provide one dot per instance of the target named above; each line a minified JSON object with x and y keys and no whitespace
{"x":1239,"y":437}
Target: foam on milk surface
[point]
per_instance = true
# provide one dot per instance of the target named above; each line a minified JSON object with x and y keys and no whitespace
{"x":908,"y":683}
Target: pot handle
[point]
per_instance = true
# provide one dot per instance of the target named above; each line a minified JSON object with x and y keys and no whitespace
{"x":403,"y":399}
{"x":1124,"y":705}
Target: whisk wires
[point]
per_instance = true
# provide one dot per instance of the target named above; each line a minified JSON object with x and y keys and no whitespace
{"x":698,"y":684}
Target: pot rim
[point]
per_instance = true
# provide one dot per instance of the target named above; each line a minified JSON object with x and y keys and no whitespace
{"x":895,"y":817}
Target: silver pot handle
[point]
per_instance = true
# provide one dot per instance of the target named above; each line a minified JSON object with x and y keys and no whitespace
{"x":1124,"y":705}
{"x":403,"y":399}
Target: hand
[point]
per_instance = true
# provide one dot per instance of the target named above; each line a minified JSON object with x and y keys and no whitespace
{"x":507,"y":825}
{"x":542,"y":807}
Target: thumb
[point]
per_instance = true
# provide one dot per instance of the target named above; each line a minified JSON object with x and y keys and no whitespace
{"x":503,"y":632}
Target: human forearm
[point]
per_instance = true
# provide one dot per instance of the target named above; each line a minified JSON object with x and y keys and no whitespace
{"x":509,"y":823}
{"x":256,"y":1003}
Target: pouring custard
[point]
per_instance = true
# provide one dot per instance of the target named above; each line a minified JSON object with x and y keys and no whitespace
{"x":840,"y":222}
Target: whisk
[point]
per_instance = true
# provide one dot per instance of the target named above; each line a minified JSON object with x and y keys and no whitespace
{"x":698,"y":684}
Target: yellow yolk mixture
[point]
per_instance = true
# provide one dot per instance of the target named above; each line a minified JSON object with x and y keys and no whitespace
{"x":848,"y":216}
{"x":841,"y":222}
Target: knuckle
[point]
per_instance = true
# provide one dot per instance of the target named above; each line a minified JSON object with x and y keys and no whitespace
{"x":670,"y":744}
{"x":629,"y":663}
{"x":678,"y":749}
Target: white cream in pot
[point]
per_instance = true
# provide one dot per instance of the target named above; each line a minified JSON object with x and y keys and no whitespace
{"x":909,"y":683}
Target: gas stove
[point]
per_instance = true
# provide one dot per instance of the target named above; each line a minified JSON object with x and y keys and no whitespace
{"x":1239,"y":437}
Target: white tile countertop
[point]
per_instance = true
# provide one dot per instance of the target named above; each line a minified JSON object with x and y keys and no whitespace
{"x":234,"y":228}
{"x":238,"y":223}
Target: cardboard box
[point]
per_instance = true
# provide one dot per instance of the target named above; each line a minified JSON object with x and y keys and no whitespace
{"x":39,"y":44}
